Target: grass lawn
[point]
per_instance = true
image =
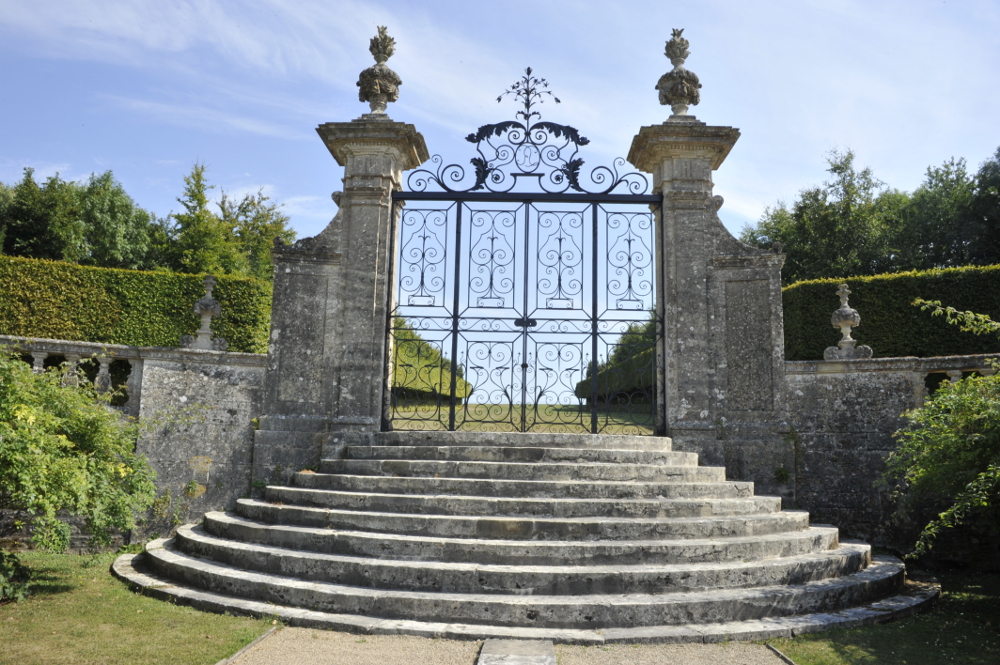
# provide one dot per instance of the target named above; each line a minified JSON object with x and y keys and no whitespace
{"x":964,"y":627}
{"x":505,"y":418}
{"x":79,"y":613}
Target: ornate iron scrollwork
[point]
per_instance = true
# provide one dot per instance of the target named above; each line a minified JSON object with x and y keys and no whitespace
{"x":528,"y":149}
{"x":524,"y":287}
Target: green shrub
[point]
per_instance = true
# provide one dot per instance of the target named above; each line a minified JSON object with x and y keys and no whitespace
{"x":14,"y":578}
{"x":67,"y":301}
{"x":889,"y":322}
{"x":64,"y":452}
{"x":946,"y":468}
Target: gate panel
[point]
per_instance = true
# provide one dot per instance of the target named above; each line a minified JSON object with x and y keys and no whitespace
{"x":524,"y":302}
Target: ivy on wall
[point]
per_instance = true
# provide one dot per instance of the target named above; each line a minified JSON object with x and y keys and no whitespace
{"x":60,"y":300}
{"x":890,"y":324}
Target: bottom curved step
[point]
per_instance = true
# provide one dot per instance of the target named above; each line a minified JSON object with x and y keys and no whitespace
{"x":912,"y":598}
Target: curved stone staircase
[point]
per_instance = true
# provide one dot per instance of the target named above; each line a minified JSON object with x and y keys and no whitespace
{"x":575,"y":538}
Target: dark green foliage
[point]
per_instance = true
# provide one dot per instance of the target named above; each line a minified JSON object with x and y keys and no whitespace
{"x":855,"y":225}
{"x":94,"y":223}
{"x":237,"y":241}
{"x":889,"y":323}
{"x":254,"y":222}
{"x":844,"y":227}
{"x":946,"y":468}
{"x":14,"y":578}
{"x":97,"y":223}
{"x":65,"y":301}
{"x":63,"y":451}
{"x":985,"y":212}
{"x":936,"y":232}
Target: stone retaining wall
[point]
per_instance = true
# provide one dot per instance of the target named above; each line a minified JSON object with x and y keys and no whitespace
{"x":831,"y":446}
{"x":841,"y":419}
{"x":201,"y":405}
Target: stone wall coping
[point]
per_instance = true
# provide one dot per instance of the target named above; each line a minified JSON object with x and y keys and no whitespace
{"x":164,"y":353}
{"x":905,"y":364}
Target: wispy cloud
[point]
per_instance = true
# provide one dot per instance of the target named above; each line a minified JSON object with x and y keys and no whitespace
{"x":205,"y":119}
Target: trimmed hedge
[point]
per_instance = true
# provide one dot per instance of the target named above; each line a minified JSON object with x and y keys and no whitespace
{"x":59,"y":300}
{"x":622,"y":379}
{"x":889,"y":323}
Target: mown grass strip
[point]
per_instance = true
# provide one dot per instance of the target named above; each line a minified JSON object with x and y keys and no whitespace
{"x":964,"y":627}
{"x":78,"y":613}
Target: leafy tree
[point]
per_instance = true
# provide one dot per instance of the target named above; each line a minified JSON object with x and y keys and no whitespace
{"x":201,"y":240}
{"x":255,"y":222}
{"x":117,"y":231}
{"x":984,"y":211}
{"x":236,"y":241}
{"x":946,"y":468}
{"x":63,"y":451}
{"x":936,"y":232}
{"x":94,"y":223}
{"x":43,"y":220}
{"x":845,"y":227}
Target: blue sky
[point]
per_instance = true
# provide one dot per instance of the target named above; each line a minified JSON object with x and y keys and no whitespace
{"x":147,"y":88}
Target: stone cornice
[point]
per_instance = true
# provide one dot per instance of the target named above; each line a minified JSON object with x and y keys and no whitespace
{"x":170,"y":354}
{"x":904,"y":364}
{"x":371,"y":137}
{"x":654,"y":144}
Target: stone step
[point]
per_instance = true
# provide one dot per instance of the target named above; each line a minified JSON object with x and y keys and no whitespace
{"x":525,"y":470}
{"x":912,"y":599}
{"x":882,"y":578}
{"x":595,"y":489}
{"x":521,"y":439}
{"x":520,"y":579}
{"x":525,"y":528}
{"x":523,"y":552}
{"x":522,"y":454}
{"x":492,"y":506}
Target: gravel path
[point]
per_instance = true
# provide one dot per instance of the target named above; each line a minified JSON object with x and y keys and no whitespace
{"x":296,"y":646}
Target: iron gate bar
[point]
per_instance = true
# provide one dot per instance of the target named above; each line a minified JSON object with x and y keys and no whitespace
{"x":593,"y":320}
{"x":524,"y":331}
{"x":452,"y":402}
{"x":527,"y":197}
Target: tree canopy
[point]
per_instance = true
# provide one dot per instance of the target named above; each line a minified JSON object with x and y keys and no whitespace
{"x":854,"y":224}
{"x":97,"y":223}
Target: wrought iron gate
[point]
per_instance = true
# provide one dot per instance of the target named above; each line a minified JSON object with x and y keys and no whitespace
{"x":523,"y":301}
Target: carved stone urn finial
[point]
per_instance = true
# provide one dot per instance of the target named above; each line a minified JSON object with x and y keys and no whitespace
{"x":206,"y":307}
{"x":679,"y":87}
{"x":844,"y":319}
{"x":378,"y":84}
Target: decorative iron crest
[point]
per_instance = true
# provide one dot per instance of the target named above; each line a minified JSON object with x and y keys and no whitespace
{"x":528,"y":149}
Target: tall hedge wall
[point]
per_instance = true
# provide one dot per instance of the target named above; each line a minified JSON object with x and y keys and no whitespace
{"x":67,"y":301}
{"x":889,"y":323}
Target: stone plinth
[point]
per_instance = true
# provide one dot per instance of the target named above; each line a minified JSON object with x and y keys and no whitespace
{"x":326,"y":370}
{"x":720,"y":298}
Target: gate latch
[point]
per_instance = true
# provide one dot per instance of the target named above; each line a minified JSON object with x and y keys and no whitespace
{"x":525,"y":323}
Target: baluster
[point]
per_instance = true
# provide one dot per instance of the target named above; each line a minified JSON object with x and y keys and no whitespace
{"x":70,"y":376}
{"x":103,"y":379}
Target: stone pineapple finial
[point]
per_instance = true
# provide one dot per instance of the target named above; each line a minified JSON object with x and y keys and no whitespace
{"x":378,"y":84}
{"x":206,"y":307}
{"x":679,"y":87}
{"x":844,"y":319}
